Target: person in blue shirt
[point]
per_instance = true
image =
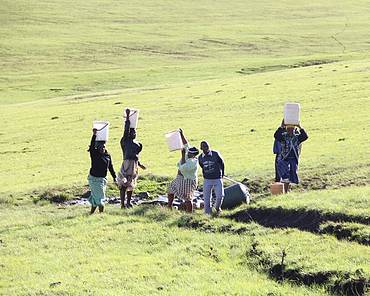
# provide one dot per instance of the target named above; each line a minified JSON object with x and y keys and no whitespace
{"x":186,"y":181}
{"x":290,"y":139}
{"x":213,"y":169}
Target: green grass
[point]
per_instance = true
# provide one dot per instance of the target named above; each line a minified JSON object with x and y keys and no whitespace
{"x":220,"y":70}
{"x":119,"y":253}
{"x":53,"y":152}
{"x":54,"y":48}
{"x":351,"y":201}
{"x":305,"y":251}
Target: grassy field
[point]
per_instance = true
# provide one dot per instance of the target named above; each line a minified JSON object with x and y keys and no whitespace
{"x":47,"y":143}
{"x":65,"y":252}
{"x":224,"y":80}
{"x":351,"y":201}
{"x":222,"y":71}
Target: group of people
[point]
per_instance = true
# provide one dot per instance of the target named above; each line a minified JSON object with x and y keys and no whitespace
{"x":287,"y":147}
{"x":101,"y":162}
{"x":186,"y":181}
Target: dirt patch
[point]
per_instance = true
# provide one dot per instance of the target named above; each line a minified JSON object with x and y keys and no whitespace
{"x":309,"y":63}
{"x":298,"y":218}
{"x":346,"y":232}
{"x":160,"y":51}
{"x":337,"y":282}
{"x":205,"y":225}
{"x":230,"y":43}
{"x":303,"y":219}
{"x":24,"y":150}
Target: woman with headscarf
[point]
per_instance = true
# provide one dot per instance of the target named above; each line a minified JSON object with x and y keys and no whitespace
{"x":101,"y":162}
{"x":186,"y":181}
{"x":127,"y":176}
{"x":290,"y":139}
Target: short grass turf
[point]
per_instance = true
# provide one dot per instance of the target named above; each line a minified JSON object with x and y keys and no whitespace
{"x":63,"y":251}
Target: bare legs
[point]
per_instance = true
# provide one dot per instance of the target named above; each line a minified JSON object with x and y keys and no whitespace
{"x":93,"y":208}
{"x":188,"y":203}
{"x":171,"y":197}
{"x":188,"y":206}
{"x":286,"y":187}
{"x":123,"y":194}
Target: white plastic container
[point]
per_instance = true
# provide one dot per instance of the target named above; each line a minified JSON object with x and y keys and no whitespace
{"x":134,"y":117}
{"x":103,"y":130}
{"x":174,"y":141}
{"x":292,"y":113}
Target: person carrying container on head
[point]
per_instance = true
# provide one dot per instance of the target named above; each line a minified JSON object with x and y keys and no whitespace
{"x":129,"y":172}
{"x":186,"y":181}
{"x":290,"y":139}
{"x":276,"y":149}
{"x":213,"y":169}
{"x":101,"y":161}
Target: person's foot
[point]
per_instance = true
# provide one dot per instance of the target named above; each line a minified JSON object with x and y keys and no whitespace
{"x":128,"y":205}
{"x":218,"y":212}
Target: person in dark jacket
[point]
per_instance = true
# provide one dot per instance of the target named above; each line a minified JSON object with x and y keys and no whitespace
{"x":129,"y":172}
{"x":277,"y":150}
{"x":101,"y":162}
{"x":213,"y":169}
{"x":290,"y":139}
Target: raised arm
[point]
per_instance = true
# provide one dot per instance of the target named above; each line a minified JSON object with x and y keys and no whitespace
{"x":93,"y":139}
{"x":183,"y":139}
{"x":127,"y":125}
{"x":303,"y":135}
{"x":278,"y":135}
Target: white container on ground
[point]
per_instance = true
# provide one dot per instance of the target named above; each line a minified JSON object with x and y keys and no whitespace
{"x":102,"y":130}
{"x":292,"y":113}
{"x":134,"y":117}
{"x":174,"y":141}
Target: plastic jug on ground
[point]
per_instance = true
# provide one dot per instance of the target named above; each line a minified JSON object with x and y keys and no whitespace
{"x":174,"y":141}
{"x":292,"y":113}
{"x":133,"y":117}
{"x":102,"y":130}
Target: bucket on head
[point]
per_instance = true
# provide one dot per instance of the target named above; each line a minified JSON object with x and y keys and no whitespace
{"x":102,"y":130}
{"x":174,"y":140}
{"x":133,"y":117}
{"x":277,"y":188}
{"x":292,"y":113}
{"x":235,"y":195}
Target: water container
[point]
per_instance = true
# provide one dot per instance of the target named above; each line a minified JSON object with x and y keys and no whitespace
{"x":134,"y":117}
{"x":103,"y":130}
{"x":235,"y":195}
{"x":174,"y":141}
{"x":291,"y":113}
{"x":277,"y":188}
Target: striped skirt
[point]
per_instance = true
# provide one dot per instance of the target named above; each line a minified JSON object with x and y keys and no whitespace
{"x":182,"y":188}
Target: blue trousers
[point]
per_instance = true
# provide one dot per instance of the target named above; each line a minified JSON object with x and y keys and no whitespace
{"x":218,"y":186}
{"x":288,"y":170}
